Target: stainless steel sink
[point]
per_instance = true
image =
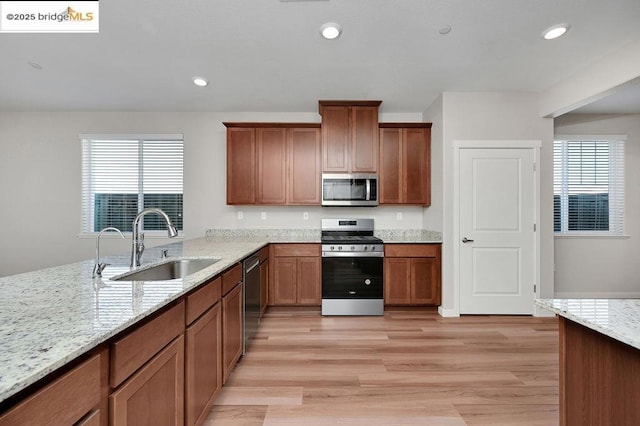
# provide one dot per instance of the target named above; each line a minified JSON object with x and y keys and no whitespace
{"x":169,"y":270}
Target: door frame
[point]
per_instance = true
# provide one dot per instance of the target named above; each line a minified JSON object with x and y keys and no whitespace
{"x":459,"y":145}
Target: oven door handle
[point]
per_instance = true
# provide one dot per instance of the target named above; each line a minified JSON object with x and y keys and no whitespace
{"x":352,"y":254}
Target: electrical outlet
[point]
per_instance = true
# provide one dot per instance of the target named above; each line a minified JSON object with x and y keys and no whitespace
{"x":240,"y":215}
{"x":263,"y":215}
{"x":399,"y":216}
{"x":305,"y":215}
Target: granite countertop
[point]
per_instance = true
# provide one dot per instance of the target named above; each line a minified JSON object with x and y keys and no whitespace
{"x":52,"y":316}
{"x":616,"y":318}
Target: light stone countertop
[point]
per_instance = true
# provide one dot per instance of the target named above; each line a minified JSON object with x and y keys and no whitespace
{"x":51,"y":316}
{"x":616,"y":318}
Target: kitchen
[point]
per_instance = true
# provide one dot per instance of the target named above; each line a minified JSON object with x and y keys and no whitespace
{"x":31,"y":140}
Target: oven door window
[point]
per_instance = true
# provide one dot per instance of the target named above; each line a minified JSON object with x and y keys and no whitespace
{"x":352,"y":278}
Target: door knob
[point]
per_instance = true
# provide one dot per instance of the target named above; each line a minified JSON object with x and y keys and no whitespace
{"x":466,"y":240}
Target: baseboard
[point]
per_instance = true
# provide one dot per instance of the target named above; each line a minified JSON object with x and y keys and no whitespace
{"x":603,"y":295}
{"x":448,"y":312}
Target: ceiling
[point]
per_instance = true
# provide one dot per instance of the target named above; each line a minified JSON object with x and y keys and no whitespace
{"x":267,"y":55}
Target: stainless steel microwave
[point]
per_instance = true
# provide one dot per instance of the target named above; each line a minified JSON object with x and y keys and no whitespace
{"x":349,"y":189}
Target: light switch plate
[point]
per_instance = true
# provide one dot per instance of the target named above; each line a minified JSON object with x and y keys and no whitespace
{"x":399,"y":216}
{"x":263,"y":215}
{"x":305,"y":215}
{"x":240,"y":215}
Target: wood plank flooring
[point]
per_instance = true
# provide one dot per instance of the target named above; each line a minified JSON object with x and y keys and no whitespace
{"x":408,"y":367}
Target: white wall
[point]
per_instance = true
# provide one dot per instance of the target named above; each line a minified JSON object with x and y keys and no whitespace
{"x":40,"y":183}
{"x":494,"y":116}
{"x":432,"y":218}
{"x":603,"y":267}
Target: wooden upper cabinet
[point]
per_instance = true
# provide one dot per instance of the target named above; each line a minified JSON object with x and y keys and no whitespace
{"x":405,"y":165}
{"x":272,"y":165}
{"x":241,"y":165}
{"x":349,"y":136}
{"x":304,"y":166}
{"x":284,"y":167}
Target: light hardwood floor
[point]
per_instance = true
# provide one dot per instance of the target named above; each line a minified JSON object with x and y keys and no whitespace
{"x":409,"y":367}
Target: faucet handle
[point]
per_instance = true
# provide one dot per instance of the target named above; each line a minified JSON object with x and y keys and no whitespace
{"x":98,"y":268}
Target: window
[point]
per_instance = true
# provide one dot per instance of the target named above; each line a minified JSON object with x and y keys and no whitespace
{"x":122,"y":175}
{"x":588,"y":185}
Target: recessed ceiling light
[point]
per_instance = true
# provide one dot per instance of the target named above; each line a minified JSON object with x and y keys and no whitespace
{"x":555,"y":31}
{"x":35,"y":65}
{"x":200,"y":81}
{"x":330,"y":30}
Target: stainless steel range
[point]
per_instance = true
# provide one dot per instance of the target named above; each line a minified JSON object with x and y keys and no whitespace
{"x":352,"y":262}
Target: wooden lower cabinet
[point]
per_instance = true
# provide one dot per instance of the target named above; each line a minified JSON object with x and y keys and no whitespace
{"x":73,"y":398}
{"x":231,"y":330}
{"x":412,"y":274}
{"x":154,"y":395}
{"x":296,"y":275}
{"x":203,"y":365}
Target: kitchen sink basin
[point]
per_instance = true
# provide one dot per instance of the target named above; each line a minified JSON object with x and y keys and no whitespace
{"x":169,"y":270}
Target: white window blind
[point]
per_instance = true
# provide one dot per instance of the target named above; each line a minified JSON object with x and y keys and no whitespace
{"x":588,"y":186}
{"x":122,"y":175}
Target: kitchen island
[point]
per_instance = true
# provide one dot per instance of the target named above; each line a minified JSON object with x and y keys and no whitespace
{"x":599,"y":360}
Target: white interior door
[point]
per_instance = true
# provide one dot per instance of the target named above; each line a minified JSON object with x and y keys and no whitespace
{"x":497,"y":240}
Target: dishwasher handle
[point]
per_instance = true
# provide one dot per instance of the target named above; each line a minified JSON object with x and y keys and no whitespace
{"x":250,"y":264}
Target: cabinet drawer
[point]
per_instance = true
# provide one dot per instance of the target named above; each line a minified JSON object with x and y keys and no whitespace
{"x":412,"y":250}
{"x":132,"y":351}
{"x":230,"y":278}
{"x":296,"y":250}
{"x":63,"y":402}
{"x":202,"y":299}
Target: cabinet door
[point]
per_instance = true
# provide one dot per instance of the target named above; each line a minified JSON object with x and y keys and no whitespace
{"x":416,"y":166}
{"x":272,"y":165}
{"x":391,"y":183}
{"x":241,"y":166}
{"x":397,"y":281}
{"x":284,"y":280}
{"x":425,"y":281}
{"x":231,"y":330}
{"x":304,"y":166}
{"x":154,"y":395}
{"x":336,"y":139}
{"x":203,"y":365}
{"x":364,"y":139}
{"x":309,"y":281}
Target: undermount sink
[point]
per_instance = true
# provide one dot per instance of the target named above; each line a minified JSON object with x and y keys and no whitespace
{"x":169,"y":270}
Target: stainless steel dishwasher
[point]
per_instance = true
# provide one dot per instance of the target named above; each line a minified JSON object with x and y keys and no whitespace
{"x":251,"y":299}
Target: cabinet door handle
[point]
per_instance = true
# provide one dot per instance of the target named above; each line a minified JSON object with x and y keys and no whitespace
{"x":466,"y":240}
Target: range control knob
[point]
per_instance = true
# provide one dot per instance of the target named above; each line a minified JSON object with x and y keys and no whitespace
{"x":332,"y":248}
{"x":339,"y":248}
{"x":366,"y":248}
{"x":353,"y":248}
{"x":373,"y":248}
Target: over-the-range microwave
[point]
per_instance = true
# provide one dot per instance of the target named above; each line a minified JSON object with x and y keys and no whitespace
{"x":349,"y":189}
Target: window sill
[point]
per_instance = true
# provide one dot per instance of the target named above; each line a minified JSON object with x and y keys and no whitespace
{"x":592,"y":236}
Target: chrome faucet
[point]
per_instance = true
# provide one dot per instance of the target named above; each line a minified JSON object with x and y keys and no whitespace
{"x":137,"y":247}
{"x":99,"y":267}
